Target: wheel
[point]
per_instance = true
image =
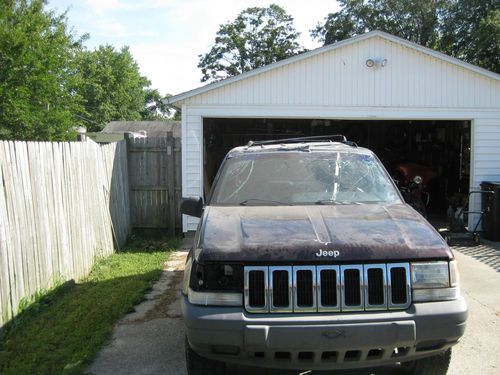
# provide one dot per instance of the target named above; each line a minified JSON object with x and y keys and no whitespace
{"x":198,"y":365}
{"x":435,"y":365}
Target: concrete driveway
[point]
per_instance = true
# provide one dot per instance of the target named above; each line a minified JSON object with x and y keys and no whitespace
{"x":151,"y":340}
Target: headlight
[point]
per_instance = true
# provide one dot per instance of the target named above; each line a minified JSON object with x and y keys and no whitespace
{"x":430,"y":275}
{"x":434,"y":281}
{"x":213,"y":284}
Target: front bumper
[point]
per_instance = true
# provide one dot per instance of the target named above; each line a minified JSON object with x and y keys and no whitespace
{"x":324,"y":341}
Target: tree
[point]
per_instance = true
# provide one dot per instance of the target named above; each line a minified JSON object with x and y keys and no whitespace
{"x":257,"y":37}
{"x":111,"y":86}
{"x":471,"y":31}
{"x":37,"y":71}
{"x":414,"y":20}
{"x":156,"y":109}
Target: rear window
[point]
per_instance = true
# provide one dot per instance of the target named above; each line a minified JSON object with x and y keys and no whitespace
{"x":290,"y":178}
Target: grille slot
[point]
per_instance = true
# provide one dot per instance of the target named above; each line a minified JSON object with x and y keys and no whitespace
{"x":398,"y":290}
{"x":280,"y":288}
{"x":352,"y":288}
{"x":327,"y":288}
{"x":376,"y":287}
{"x":256,"y":289}
{"x":304,"y":285}
{"x":304,"y":289}
{"x":352,"y":282}
{"x":399,"y":285}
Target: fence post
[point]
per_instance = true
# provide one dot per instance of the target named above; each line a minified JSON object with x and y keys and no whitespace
{"x":171,"y":183}
{"x":81,"y":135}
{"x":129,"y":138}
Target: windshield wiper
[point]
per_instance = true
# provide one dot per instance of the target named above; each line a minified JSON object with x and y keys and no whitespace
{"x":331,"y":201}
{"x":277,"y":203}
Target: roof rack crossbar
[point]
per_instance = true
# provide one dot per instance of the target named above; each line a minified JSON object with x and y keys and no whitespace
{"x":317,"y":138}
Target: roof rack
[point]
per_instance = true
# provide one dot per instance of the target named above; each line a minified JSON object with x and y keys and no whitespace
{"x":318,"y":138}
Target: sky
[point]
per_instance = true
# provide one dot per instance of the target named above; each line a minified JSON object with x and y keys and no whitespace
{"x":166,"y":36}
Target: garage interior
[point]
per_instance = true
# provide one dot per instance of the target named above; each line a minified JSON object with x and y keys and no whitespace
{"x":440,"y":147}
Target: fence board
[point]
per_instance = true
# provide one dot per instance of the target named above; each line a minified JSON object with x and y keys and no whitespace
{"x":61,"y":205}
{"x":155,"y":182}
{"x":5,"y":284}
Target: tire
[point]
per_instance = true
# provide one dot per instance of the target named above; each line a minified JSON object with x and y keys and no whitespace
{"x":435,"y":365}
{"x":198,"y":365}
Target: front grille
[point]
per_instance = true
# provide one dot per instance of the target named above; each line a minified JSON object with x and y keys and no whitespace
{"x":327,"y":288}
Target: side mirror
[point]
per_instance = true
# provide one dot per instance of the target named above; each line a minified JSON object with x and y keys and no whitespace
{"x":192,"y":206}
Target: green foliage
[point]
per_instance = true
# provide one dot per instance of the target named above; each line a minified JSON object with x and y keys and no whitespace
{"x":111,"y":86}
{"x":50,"y":84}
{"x":415,"y":20}
{"x":467,"y":29}
{"x":471,"y":31}
{"x":257,"y":37}
{"x":62,"y":331}
{"x":155,"y":108}
{"x":36,"y":72}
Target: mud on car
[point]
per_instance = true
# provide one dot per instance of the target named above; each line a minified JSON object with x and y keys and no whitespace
{"x":307,"y":257}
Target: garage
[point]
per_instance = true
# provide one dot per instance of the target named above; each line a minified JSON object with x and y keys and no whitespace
{"x":409,"y":104}
{"x":439,"y":148}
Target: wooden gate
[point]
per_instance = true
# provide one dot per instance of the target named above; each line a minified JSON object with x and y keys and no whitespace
{"x":154,"y":166}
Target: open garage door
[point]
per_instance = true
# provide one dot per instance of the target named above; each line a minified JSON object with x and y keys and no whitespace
{"x":439,"y":150}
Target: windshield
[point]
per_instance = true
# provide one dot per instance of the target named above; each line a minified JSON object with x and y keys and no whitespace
{"x":290,"y":178}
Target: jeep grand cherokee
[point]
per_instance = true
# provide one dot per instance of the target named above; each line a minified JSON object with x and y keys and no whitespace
{"x":306,"y":257}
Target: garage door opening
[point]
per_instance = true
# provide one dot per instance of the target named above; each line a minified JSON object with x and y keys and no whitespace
{"x":439,"y":148}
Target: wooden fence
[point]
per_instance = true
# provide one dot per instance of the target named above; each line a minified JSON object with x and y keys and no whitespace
{"x":61,"y":206}
{"x":155,"y":182}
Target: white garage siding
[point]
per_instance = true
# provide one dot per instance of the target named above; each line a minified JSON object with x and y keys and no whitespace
{"x":334,"y":82}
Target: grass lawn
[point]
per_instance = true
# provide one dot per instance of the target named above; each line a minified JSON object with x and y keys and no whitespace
{"x":62,"y":331}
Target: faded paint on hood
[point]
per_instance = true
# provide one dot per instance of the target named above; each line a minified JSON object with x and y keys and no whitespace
{"x":360,"y":233}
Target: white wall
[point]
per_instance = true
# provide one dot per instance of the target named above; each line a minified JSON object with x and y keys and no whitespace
{"x":338,"y":85}
{"x":340,"y":78}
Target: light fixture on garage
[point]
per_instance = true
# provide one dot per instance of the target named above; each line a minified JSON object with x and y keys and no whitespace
{"x":376,"y":63}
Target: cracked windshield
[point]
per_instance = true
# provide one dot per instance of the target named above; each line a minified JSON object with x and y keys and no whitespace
{"x":303,"y":178}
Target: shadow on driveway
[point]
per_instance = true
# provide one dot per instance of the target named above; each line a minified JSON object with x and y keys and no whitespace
{"x":487,"y":253}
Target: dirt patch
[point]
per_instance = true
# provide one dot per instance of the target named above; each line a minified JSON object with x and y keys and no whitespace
{"x":163,"y":299}
{"x":163,"y":307}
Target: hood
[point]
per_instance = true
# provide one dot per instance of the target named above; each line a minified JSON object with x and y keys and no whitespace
{"x":318,"y":234}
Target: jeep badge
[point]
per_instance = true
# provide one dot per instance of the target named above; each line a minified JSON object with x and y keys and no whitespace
{"x":329,"y":253}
